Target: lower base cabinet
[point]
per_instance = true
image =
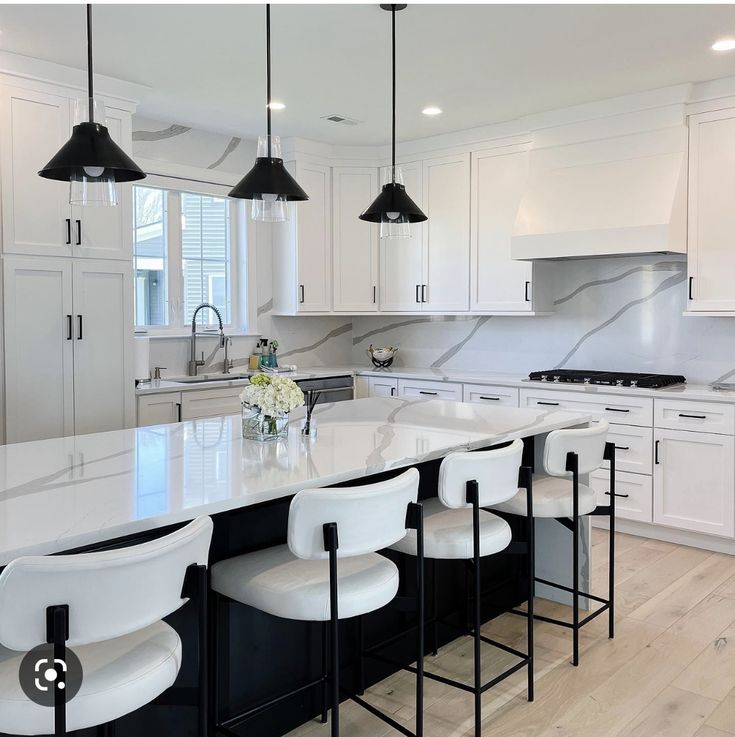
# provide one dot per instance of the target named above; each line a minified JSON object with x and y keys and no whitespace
{"x":633,"y":494}
{"x":380,"y":387}
{"x":159,"y":409}
{"x":694,"y":476}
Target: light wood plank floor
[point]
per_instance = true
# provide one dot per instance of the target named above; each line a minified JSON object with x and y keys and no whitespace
{"x":669,"y":672}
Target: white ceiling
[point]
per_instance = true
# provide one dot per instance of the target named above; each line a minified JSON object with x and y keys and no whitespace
{"x":204,"y":64}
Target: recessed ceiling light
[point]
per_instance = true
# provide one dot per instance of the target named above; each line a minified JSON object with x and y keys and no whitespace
{"x":432,"y":110}
{"x":277,"y":105}
{"x":724,"y":44}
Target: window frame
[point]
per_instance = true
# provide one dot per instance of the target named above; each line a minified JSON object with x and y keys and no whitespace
{"x":240,"y":262}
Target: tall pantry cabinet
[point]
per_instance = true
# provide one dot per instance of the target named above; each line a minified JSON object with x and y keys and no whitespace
{"x":67,"y":277}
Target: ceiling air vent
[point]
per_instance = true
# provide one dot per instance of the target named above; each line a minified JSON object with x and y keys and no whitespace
{"x":341,"y":119}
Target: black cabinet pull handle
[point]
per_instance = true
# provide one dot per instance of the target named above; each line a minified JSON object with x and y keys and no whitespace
{"x":375,"y":294}
{"x":79,"y":336}
{"x":693,"y":417}
{"x":622,"y":496}
{"x":431,"y":394}
{"x":68,"y":231}
{"x":79,"y":232}
{"x":528,"y":284}
{"x":69,"y":329}
{"x":615,"y":409}
{"x":655,"y":452}
{"x":417,"y":293}
{"x":423,"y":292}
{"x":393,"y":391}
{"x":622,"y":447}
{"x":302,"y":294}
{"x":548,"y":404}
{"x":493,"y":399}
{"x":178,"y":411}
{"x":691,"y":282}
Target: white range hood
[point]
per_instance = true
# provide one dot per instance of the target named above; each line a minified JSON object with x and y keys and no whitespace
{"x":616,"y":196}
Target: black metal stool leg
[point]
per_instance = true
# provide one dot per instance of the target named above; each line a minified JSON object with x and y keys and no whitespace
{"x":531,"y":562}
{"x":331,"y":544}
{"x":325,"y":670}
{"x":434,"y":610}
{"x":360,"y":657}
{"x":575,"y":564}
{"x":473,"y":491}
{"x":611,"y":562}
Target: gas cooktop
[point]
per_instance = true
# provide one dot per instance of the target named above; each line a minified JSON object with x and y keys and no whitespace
{"x":607,"y":378}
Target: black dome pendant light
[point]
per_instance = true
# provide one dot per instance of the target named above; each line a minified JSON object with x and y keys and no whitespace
{"x":268,"y":184}
{"x":393,"y":208}
{"x":90,"y":160}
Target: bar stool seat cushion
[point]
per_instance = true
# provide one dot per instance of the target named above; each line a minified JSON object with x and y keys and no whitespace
{"x":448,"y":533}
{"x":552,"y":498}
{"x":119,"y":676}
{"x":275,"y":581}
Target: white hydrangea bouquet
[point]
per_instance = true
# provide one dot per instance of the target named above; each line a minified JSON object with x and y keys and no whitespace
{"x":266,"y":402}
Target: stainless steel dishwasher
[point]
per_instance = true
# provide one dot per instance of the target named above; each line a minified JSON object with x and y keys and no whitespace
{"x":331,"y":389}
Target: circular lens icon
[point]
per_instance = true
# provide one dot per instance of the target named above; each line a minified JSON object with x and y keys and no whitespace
{"x":41,"y":675}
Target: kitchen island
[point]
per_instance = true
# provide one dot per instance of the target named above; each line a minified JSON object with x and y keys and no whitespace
{"x":92,"y":491}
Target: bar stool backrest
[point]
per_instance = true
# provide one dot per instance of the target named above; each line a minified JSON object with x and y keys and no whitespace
{"x":109,"y":593}
{"x":369,"y":518}
{"x":496,"y":473}
{"x":588,"y":443}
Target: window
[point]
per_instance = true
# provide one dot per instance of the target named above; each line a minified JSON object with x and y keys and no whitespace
{"x":184,"y":247}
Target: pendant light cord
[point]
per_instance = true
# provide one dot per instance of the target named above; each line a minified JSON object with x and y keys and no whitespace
{"x":90,"y":72}
{"x":268,"y":72}
{"x":393,"y":153}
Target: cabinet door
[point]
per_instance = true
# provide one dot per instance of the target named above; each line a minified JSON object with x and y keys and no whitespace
{"x":159,"y":409}
{"x":430,"y":389}
{"x":401,"y":259}
{"x":313,"y":239}
{"x":103,"y":346}
{"x":633,"y":494}
{"x":39,"y":390}
{"x":380,"y":387}
{"x":498,"y":284}
{"x":446,"y":183}
{"x":355,"y":243}
{"x":210,"y":403}
{"x":711,"y":222}
{"x":694,"y":484}
{"x":106,"y":232}
{"x":36,"y":211}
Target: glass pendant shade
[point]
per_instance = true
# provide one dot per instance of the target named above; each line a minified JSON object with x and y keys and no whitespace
{"x":393,"y":208}
{"x":269,"y":185}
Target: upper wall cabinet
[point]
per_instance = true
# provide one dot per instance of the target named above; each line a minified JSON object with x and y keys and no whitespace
{"x":37,"y":216}
{"x":711,"y":259}
{"x":355,"y":262}
{"x":498,"y":283}
{"x":446,"y":186}
{"x":302,"y":273}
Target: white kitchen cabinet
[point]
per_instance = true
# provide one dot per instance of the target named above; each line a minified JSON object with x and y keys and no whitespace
{"x":498,"y":283}
{"x":694,"y":481}
{"x":430,"y":389}
{"x":382,"y":387}
{"x":210,"y":403}
{"x":68,"y":347}
{"x":402,"y":259}
{"x":37,"y":217}
{"x":699,"y":416}
{"x":159,"y":409}
{"x":633,"y":494}
{"x":355,"y":242}
{"x":103,"y":346}
{"x":633,"y":448}
{"x":39,"y":348}
{"x":302,"y":246}
{"x":493,"y":396}
{"x":711,"y":217}
{"x":446,"y":188}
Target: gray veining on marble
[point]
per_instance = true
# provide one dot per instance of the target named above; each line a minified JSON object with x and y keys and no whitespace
{"x":341,"y":330}
{"x":231,"y":146}
{"x":462,"y":343}
{"x":406,"y":323}
{"x":265,"y":308}
{"x":160,"y":135}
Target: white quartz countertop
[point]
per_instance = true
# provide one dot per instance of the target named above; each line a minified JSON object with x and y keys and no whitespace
{"x":63,"y":493}
{"x":694,"y":392}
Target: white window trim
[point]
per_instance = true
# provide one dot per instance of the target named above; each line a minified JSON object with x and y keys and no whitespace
{"x":243,"y":311}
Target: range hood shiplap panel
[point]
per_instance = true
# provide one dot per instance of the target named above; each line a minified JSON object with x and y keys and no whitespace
{"x":616,"y":196}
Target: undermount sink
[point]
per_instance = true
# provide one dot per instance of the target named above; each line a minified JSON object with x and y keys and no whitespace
{"x":208,"y":378}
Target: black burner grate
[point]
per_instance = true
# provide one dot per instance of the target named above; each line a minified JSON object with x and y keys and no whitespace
{"x":607,"y":378}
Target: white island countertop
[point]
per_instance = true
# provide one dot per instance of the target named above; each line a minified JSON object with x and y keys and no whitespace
{"x":59,"y":494}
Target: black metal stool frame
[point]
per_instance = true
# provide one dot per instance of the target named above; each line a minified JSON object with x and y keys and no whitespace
{"x":608,"y":605}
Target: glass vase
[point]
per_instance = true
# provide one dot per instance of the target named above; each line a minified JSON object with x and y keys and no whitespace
{"x":261,"y":427}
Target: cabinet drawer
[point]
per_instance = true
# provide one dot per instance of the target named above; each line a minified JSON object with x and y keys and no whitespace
{"x":380,"y":387}
{"x":634,"y":494}
{"x":619,"y":410}
{"x":702,"y":416}
{"x":210,"y":403}
{"x":430,"y":389}
{"x":504,"y":396}
{"x":633,"y":448}
{"x":158,"y":409}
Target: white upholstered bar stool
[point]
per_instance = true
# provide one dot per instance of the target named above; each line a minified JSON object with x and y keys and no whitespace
{"x":457,"y":528}
{"x":107,"y":608}
{"x":328,"y":570}
{"x":560,"y":496}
